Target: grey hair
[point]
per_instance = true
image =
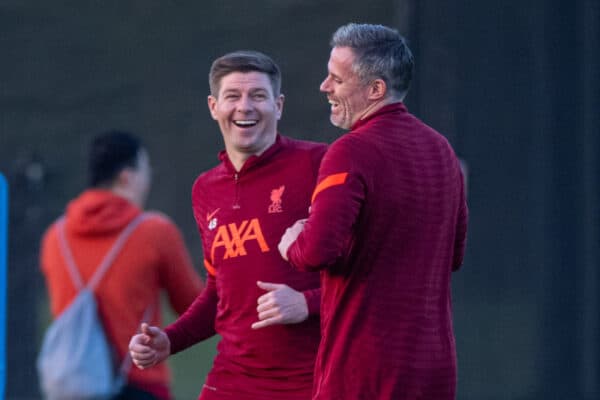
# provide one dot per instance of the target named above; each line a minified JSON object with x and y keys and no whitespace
{"x":380,"y":53}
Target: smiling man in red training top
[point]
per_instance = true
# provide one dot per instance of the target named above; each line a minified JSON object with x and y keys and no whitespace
{"x":387,"y":226}
{"x":242,"y":207}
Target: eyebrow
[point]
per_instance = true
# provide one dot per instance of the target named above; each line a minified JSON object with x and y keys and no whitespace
{"x":231,"y":90}
{"x":251,"y":90}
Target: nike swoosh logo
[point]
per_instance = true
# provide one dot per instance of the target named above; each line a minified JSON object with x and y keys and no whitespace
{"x":212,"y":214}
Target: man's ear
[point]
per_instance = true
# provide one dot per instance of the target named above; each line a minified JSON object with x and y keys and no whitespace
{"x":279,"y":104}
{"x":377,"y":89}
{"x":212,"y":105}
{"x":123,"y":178}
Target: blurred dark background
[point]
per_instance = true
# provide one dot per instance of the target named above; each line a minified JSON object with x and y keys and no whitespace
{"x":514,"y":86}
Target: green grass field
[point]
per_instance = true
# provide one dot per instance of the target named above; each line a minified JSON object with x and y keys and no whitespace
{"x":190,"y":368}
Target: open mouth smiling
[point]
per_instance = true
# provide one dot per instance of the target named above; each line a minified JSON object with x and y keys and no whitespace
{"x":245,"y":123}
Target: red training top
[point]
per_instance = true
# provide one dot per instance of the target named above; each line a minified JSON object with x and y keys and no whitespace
{"x":241,"y":217}
{"x":387,"y":226}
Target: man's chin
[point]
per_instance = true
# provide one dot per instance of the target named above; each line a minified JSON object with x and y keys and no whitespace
{"x":337,"y":123}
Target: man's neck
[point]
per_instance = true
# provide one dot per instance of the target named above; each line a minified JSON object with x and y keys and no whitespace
{"x":373,"y":107}
{"x":125,"y":193}
{"x":238,"y":160}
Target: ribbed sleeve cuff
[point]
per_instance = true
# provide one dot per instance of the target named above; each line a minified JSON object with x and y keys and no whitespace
{"x":313,"y":301}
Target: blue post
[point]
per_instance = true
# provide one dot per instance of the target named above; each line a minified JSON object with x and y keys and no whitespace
{"x":3,"y":275}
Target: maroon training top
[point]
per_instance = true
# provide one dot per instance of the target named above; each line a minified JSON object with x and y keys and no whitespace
{"x":387,"y":227}
{"x":241,"y":217}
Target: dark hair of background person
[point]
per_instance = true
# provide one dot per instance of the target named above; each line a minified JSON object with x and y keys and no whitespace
{"x":110,"y":153}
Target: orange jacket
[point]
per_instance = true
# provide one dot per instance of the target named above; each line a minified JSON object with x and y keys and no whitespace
{"x":153,"y":258}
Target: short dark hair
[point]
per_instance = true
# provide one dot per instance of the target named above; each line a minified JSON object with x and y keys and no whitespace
{"x":110,"y":153}
{"x":244,"y":61}
{"x":381,"y":53}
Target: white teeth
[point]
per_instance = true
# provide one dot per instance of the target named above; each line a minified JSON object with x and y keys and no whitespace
{"x":333,"y":103}
{"x":245,"y":122}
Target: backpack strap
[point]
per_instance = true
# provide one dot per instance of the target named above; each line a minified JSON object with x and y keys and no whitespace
{"x":68,"y":256}
{"x":114,"y":251}
{"x":106,"y":261}
{"x":102,"y":268}
{"x":127,"y":362}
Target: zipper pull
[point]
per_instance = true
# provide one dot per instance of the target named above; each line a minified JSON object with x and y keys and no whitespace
{"x":236,"y":205}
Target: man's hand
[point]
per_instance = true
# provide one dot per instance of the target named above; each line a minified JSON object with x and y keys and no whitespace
{"x":149,"y":347}
{"x":289,"y":237}
{"x":280,"y":305}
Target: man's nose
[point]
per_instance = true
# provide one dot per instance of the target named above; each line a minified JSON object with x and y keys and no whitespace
{"x":324,"y":87}
{"x":244,"y":104}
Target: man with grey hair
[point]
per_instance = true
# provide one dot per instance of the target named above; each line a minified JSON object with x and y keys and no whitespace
{"x":387,"y":227}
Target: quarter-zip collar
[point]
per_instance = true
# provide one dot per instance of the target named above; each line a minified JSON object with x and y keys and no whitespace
{"x":253,"y":161}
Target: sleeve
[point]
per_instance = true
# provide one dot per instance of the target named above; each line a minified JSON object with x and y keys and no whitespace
{"x":461,"y":228}
{"x":313,"y":296}
{"x":201,"y":225}
{"x":336,"y":203}
{"x":178,"y":276}
{"x":44,"y":253}
{"x":49,"y":253}
{"x":313,"y":301}
{"x":197,"y":323}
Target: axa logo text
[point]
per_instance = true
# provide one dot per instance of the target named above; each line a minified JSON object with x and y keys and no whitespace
{"x":233,"y":238}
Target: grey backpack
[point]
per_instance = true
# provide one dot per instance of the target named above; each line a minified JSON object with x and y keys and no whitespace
{"x":76,"y":359}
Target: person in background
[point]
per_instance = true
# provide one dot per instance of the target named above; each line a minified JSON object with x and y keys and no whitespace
{"x":265,"y":312}
{"x":387,"y":227}
{"x":154,"y":258}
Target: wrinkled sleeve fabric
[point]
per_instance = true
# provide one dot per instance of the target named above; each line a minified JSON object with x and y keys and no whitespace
{"x":313,"y":301}
{"x":460,"y":240}
{"x":198,"y":321}
{"x":181,"y":281}
{"x":338,"y":198}
{"x":49,"y":251}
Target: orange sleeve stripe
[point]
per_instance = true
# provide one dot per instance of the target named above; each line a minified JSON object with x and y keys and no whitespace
{"x":211,"y":270}
{"x":331,"y":180}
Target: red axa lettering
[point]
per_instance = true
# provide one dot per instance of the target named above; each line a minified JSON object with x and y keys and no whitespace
{"x":233,"y":238}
